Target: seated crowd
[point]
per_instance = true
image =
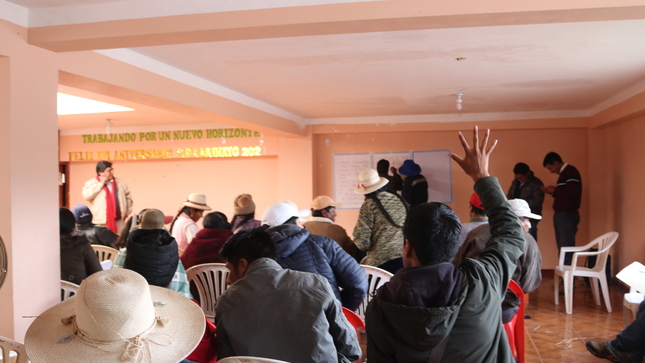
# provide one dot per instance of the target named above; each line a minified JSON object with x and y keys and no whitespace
{"x":289,"y":280}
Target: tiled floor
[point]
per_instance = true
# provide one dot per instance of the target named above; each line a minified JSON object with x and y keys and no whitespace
{"x":553,"y":336}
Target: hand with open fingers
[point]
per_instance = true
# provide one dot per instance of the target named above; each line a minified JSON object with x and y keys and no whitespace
{"x":475,"y":160}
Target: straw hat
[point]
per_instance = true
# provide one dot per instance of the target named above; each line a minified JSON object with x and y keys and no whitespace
{"x":151,"y":219}
{"x":322,"y":202}
{"x":197,"y":201}
{"x":243,"y":204}
{"x":116,"y":316}
{"x":369,"y":181}
{"x":278,"y":213}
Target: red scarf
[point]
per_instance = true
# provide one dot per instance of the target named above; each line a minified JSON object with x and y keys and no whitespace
{"x":111,"y":213}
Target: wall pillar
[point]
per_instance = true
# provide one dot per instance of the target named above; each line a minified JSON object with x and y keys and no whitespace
{"x":28,"y":184}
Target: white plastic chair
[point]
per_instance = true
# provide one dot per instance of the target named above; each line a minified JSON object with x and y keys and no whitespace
{"x":105,"y":252}
{"x":241,"y":359}
{"x":67,"y":289}
{"x":631,"y":302}
{"x":210,"y":279}
{"x":376,"y":277}
{"x":12,"y":349}
{"x":596,"y":274}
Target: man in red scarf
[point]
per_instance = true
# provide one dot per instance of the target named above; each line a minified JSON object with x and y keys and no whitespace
{"x":109,"y":197}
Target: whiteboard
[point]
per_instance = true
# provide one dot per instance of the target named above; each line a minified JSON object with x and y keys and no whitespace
{"x":346,"y":170}
{"x":395,"y":159}
{"x":436,"y":167}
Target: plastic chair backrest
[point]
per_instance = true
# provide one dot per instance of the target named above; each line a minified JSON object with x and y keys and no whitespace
{"x":376,"y":277}
{"x":515,"y":327}
{"x":242,"y":359}
{"x":10,"y":349}
{"x":105,"y":252}
{"x":67,"y":289}
{"x":210,"y":280}
{"x":604,"y":244}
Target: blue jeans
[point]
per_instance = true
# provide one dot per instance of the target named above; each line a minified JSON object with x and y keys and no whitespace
{"x":632,"y":339}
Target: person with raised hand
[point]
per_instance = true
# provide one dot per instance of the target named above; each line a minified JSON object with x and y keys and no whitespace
{"x":434,"y":311}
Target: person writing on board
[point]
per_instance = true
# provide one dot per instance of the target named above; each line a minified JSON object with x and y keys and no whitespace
{"x":415,"y":185}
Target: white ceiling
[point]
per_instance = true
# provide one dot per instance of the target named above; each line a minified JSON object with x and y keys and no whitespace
{"x":564,"y":69}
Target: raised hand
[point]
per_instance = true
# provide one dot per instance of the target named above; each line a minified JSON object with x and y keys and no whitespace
{"x":475,"y":160}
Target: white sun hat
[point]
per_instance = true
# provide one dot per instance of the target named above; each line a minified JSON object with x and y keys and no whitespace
{"x":369,"y":181}
{"x":116,"y":316}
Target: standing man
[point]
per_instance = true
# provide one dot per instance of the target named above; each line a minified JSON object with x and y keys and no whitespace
{"x":529,"y":188}
{"x":415,"y":185}
{"x":109,"y":197}
{"x":395,"y":183}
{"x":322,"y":223}
{"x":566,"y":194}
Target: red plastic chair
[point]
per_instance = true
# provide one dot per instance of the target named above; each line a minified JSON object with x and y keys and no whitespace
{"x":515,"y":327}
{"x":356,"y":322}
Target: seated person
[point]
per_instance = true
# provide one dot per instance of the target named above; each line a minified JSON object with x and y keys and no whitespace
{"x":322,"y":223}
{"x":271,"y":312}
{"x":434,"y":311}
{"x":528,"y":273}
{"x":77,"y":258}
{"x":117,"y":317}
{"x":244,"y":217}
{"x":628,"y":345}
{"x":207,"y":242}
{"x":151,"y":251}
{"x":97,"y":234}
{"x":477,"y":217}
{"x":299,"y":250}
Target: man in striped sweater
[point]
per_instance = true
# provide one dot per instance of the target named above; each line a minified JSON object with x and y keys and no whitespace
{"x":566,"y":201}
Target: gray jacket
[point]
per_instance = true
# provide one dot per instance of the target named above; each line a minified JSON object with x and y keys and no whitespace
{"x":283,"y":314}
{"x":421,"y":306}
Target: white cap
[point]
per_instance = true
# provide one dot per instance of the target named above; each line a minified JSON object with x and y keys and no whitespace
{"x":278,"y":213}
{"x":521,"y":208}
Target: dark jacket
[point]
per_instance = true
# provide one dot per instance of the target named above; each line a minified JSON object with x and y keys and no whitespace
{"x":77,"y":259}
{"x":415,"y":190}
{"x":98,"y":235}
{"x":420,"y":306}
{"x":204,"y":248}
{"x":531,"y":191}
{"x":154,"y":254}
{"x":301,"y":251}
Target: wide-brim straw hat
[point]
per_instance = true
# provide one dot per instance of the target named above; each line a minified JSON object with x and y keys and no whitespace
{"x":197,"y":201}
{"x":114,"y":316}
{"x":369,"y":181}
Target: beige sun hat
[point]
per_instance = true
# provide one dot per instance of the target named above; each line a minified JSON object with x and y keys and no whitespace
{"x":197,"y":201}
{"x":243,"y":204}
{"x":322,"y":202}
{"x":369,"y":181}
{"x":116,"y":316}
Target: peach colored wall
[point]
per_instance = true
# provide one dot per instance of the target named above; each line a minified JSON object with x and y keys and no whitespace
{"x":618,"y":169}
{"x":164,"y":184}
{"x":28,"y":186}
{"x":526,"y":145}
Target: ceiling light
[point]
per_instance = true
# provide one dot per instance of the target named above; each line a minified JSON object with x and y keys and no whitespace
{"x":459,"y":101}
{"x":72,"y":105}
